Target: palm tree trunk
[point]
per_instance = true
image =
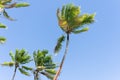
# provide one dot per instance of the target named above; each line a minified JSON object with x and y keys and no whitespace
{"x":14,"y":73}
{"x":36,"y":77}
{"x":63,"y":59}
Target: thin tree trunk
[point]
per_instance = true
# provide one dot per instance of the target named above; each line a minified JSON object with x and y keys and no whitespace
{"x":63,"y":59}
{"x":36,"y":77}
{"x":14,"y":73}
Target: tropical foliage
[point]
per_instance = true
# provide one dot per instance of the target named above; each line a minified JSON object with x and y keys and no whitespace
{"x":44,"y":65}
{"x":71,"y":21}
{"x":20,"y":58}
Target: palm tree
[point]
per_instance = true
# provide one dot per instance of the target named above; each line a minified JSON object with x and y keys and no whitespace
{"x":44,"y":65}
{"x":70,"y":21}
{"x":20,"y":58}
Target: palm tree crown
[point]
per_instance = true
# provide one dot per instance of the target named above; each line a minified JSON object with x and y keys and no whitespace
{"x":70,"y":20}
{"x":44,"y":64}
{"x":20,"y":58}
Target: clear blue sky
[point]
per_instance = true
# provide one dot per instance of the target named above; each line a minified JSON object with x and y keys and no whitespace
{"x":94,"y":55}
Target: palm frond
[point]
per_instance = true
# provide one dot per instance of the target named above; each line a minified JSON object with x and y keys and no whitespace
{"x":12,"y":56}
{"x":23,"y":4}
{"x":22,"y":56}
{"x":24,"y":72}
{"x":2,"y":25}
{"x":87,"y":19}
{"x":10,"y":64}
{"x":61,"y":19}
{"x":80,"y":31}
{"x":27,"y":68}
{"x":26,"y":59}
{"x":82,"y":20}
{"x":51,"y":71}
{"x":63,"y":12}
{"x":44,"y":52}
{"x":71,"y":12}
{"x":47,"y":59}
{"x":38,"y":58}
{"x":7,"y":16}
{"x":48,"y":62}
{"x":2,"y":39}
{"x":17,"y":56}
{"x":59,"y":44}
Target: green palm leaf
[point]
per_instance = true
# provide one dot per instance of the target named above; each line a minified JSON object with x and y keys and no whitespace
{"x":25,"y":59}
{"x":24,"y":4}
{"x":2,"y":25}
{"x":22,"y":56}
{"x":2,"y":39}
{"x":24,"y":72}
{"x":27,"y":68}
{"x":80,"y":31}
{"x":87,"y":18}
{"x":44,"y":52}
{"x":12,"y":56}
{"x":51,"y":71}
{"x":7,"y":16}
{"x":17,"y":56}
{"x":10,"y":64}
{"x":59,"y":44}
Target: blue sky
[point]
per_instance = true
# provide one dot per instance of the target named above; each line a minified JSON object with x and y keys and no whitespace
{"x":94,"y":55}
